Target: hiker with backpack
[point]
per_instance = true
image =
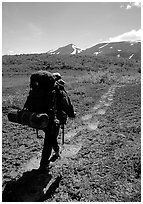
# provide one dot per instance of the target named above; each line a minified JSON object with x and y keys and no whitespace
{"x":47,"y":95}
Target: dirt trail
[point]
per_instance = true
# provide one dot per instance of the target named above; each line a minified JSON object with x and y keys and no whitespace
{"x":89,"y":122}
{"x":33,"y":185}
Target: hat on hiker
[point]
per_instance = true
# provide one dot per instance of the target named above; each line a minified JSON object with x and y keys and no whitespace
{"x":61,"y":82}
{"x":57,"y":76}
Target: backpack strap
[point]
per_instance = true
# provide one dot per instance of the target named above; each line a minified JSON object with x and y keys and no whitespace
{"x":37,"y":133}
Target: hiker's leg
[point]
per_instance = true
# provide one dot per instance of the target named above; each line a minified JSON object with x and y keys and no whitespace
{"x":47,"y":149}
{"x":54,"y":138}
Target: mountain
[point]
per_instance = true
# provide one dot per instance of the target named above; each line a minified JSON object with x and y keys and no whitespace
{"x":66,"y":50}
{"x":126,"y":49}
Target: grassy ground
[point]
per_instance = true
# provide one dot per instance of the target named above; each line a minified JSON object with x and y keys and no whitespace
{"x":108,"y":166}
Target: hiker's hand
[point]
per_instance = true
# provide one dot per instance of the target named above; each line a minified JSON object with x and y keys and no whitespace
{"x":62,"y":126}
{"x":74,"y":115}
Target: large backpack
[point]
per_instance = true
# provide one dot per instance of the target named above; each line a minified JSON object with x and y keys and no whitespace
{"x":41,"y":98}
{"x":40,"y":106}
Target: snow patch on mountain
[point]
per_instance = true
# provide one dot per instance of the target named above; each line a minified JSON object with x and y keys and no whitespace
{"x":53,"y":51}
{"x":96,"y":53}
{"x":131,"y":56}
{"x":79,"y":51}
{"x":75,"y":50}
{"x":103,"y":46}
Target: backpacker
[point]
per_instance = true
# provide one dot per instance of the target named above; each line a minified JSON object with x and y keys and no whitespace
{"x":46,"y":96}
{"x":40,"y":106}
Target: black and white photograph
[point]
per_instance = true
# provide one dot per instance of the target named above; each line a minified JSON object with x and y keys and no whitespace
{"x":71,"y":101}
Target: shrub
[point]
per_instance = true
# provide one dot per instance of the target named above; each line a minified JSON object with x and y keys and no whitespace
{"x":98,"y":77}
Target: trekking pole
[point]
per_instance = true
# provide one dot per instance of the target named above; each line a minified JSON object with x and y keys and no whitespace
{"x":62,"y":127}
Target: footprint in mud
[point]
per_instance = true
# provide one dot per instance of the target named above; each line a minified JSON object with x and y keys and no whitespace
{"x":33,"y":163}
{"x":110,"y":98}
{"x":101,"y":112}
{"x":70,"y":150}
{"x":110,"y":94}
{"x":93,"y":125}
{"x":73,"y":133}
{"x":107,"y":104}
{"x":86,"y":117}
{"x":97,"y":106}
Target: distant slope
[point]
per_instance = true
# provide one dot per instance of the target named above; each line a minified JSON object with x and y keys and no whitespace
{"x":66,"y":50}
{"x":126,"y":49}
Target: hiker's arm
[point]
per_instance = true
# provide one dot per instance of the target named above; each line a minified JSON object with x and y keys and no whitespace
{"x":67,"y":105}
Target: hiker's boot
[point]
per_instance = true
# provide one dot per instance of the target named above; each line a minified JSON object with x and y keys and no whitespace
{"x":44,"y":167}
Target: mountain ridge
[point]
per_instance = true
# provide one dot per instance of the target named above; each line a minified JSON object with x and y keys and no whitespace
{"x":126,"y":49}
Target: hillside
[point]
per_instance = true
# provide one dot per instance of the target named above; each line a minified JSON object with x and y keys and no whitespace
{"x":130,"y":50}
{"x":66,"y":50}
{"x":126,"y":49}
{"x":27,"y":63}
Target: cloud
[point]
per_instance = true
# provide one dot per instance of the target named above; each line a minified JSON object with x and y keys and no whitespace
{"x":131,"y":5}
{"x":137,"y":4}
{"x":128,"y":7}
{"x":132,"y":35}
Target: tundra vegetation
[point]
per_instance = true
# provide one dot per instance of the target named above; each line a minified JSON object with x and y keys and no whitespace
{"x":107,"y":167}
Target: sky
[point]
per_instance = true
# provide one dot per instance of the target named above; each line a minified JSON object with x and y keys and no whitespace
{"x":37,"y":27}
